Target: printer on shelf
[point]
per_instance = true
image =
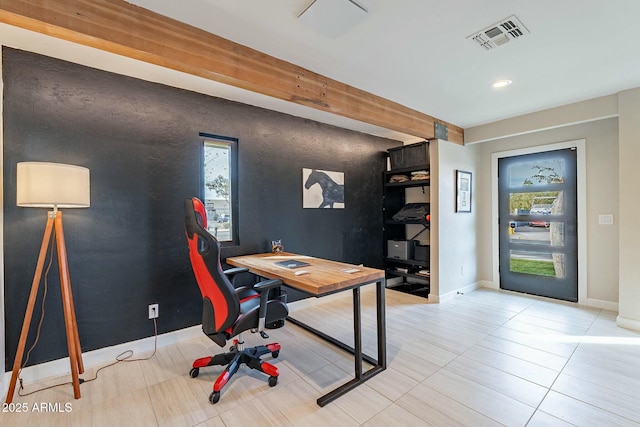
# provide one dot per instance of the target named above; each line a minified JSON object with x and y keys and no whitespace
{"x":400,"y":249}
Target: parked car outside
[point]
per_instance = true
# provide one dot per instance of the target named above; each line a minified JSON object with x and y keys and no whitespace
{"x":538,"y":208}
{"x":539,"y":224}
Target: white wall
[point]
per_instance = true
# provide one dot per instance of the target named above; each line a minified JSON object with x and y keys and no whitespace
{"x":455,"y":233}
{"x":629,"y":107}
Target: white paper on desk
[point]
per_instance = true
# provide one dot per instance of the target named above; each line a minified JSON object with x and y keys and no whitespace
{"x":287,"y":257}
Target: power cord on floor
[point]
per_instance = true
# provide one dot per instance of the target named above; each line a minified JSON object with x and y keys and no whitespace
{"x":125,"y":356}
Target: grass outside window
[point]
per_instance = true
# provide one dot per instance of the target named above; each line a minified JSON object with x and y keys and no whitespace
{"x":529,"y":266}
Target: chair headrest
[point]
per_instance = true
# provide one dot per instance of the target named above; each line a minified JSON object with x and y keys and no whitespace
{"x":195,"y":216}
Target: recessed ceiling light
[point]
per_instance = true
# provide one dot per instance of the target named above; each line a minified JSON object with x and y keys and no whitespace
{"x":501,"y":83}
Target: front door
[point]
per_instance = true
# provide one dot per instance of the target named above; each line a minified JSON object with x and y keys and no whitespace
{"x":537,"y":195}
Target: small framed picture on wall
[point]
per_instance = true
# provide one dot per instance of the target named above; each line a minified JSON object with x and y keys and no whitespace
{"x":463,"y":191}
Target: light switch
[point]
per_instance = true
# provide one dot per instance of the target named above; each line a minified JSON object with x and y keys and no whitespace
{"x":605,"y":219}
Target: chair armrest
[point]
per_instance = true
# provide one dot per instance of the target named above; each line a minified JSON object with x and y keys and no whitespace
{"x":266,"y":285}
{"x":263,"y":288}
{"x":232,"y":272}
{"x":236,"y":270}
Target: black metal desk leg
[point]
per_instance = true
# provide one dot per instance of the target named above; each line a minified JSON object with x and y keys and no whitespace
{"x":378,"y":365}
{"x":357,"y":332}
{"x":382,"y":327}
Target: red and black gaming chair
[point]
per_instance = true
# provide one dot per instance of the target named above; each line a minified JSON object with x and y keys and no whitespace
{"x":228,"y":311}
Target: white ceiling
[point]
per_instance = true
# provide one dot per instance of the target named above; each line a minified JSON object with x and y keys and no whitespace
{"x":416,"y":52}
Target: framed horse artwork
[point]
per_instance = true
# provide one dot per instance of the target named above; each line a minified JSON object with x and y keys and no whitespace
{"x":322,"y":189}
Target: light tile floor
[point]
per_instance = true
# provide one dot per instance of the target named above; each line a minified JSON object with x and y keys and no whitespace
{"x":486,"y":358}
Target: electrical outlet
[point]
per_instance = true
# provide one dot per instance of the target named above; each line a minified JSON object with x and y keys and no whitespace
{"x":153,"y":311}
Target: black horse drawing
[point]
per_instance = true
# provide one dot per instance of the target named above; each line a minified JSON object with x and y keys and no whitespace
{"x":332,"y":192}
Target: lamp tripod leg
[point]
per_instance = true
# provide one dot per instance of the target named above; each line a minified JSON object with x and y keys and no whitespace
{"x":54,"y":225}
{"x":46,"y":238}
{"x":73,"y":339}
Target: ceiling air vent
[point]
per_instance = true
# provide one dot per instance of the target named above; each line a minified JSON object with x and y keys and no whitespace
{"x":500,"y":33}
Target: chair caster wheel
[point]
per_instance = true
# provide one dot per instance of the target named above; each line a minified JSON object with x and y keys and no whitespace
{"x":194,"y":372}
{"x":273,"y":381}
{"x":214,"y":397}
{"x":275,"y":354}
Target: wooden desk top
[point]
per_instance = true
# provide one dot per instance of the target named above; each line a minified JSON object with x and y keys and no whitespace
{"x":324,"y":276}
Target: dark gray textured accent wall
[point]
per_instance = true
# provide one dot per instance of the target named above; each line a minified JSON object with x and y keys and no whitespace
{"x":140,"y":141}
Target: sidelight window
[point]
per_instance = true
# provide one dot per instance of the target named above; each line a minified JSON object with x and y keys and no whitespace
{"x":221,"y":187}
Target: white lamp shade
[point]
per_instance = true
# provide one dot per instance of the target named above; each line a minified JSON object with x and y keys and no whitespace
{"x":49,"y":185}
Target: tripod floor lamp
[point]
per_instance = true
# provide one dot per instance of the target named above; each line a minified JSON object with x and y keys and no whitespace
{"x":52,"y":185}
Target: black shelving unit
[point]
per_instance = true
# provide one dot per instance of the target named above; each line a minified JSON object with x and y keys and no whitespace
{"x":393,"y":200}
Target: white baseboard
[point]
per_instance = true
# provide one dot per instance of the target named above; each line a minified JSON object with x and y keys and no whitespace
{"x":590,"y":302}
{"x":469,"y":288}
{"x":489,"y":284}
{"x":627,"y":323}
{"x":101,"y":356}
{"x":601,"y":304}
{"x":451,"y":295}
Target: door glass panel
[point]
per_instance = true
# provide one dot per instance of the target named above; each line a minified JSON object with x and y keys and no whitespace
{"x":537,"y":263}
{"x":546,"y":233}
{"x":537,"y":173}
{"x":547,"y":203}
{"x":523,"y":233}
{"x":536,"y":203}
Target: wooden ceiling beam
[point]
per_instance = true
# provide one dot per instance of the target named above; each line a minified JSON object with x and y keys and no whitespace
{"x":124,"y":29}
